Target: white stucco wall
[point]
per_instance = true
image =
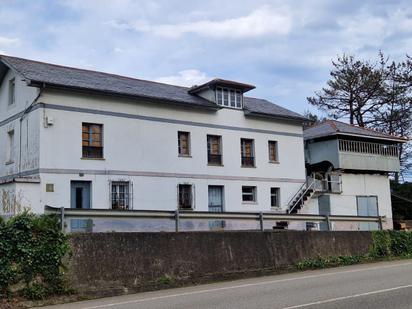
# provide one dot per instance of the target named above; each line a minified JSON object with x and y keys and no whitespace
{"x":146,"y":153}
{"x":354,"y":185}
{"x":26,"y":131}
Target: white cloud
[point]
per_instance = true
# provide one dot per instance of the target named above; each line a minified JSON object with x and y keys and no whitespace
{"x":262,"y":21}
{"x":4,"y":41}
{"x":186,"y":78}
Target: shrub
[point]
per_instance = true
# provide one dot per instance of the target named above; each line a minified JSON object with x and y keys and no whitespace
{"x":385,"y":244}
{"x":32,"y":248}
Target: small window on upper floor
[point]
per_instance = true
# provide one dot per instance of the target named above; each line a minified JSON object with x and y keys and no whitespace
{"x":247,"y":149}
{"x":214,"y":149}
{"x":273,"y":151}
{"x":92,"y":140}
{"x":229,"y":97}
{"x":183,"y":141}
{"x":12,"y":91}
{"x":10,"y":147}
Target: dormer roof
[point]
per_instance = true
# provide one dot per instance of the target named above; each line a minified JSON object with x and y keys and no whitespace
{"x":222,"y":83}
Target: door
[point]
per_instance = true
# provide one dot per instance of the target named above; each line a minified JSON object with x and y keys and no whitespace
{"x":368,"y":206}
{"x":215,"y":198}
{"x":216,"y":205}
{"x":80,"y":194}
{"x":324,"y":210}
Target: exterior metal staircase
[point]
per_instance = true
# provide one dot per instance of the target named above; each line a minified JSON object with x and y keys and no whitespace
{"x":304,"y":194}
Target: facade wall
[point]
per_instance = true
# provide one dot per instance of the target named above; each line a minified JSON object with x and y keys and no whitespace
{"x":26,"y":130}
{"x":17,"y":196}
{"x":145,"y":152}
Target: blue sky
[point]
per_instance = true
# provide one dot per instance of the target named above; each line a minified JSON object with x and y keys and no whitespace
{"x":285,"y":48}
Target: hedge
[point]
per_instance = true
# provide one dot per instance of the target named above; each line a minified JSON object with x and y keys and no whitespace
{"x":32,"y":248}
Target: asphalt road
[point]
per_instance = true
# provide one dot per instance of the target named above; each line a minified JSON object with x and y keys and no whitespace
{"x":378,"y":285}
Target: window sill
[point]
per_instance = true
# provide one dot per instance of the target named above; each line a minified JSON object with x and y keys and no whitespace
{"x":184,"y":156}
{"x":215,"y":164}
{"x":249,"y":203}
{"x":185,"y":209}
{"x":274,"y":162}
{"x":98,"y":159}
{"x":246,"y":166}
{"x":276,"y":209}
{"x":9,"y":162}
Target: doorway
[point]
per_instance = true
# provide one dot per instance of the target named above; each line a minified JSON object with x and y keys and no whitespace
{"x":80,"y":194}
{"x":215,"y":198}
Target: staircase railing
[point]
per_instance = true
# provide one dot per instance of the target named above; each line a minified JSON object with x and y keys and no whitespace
{"x":308,"y":185}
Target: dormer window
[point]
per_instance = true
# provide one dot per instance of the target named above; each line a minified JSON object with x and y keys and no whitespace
{"x":229,"y":97}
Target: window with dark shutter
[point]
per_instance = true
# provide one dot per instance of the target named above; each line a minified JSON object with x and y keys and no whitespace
{"x":183,"y":143}
{"x":247,"y":152}
{"x":273,"y":151}
{"x":214,"y":149}
{"x":92,"y":140}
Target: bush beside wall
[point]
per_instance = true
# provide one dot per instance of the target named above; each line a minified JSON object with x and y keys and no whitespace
{"x":385,"y":245}
{"x":32,"y":249}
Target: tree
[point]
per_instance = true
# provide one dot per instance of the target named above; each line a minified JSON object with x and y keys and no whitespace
{"x":353,"y":90}
{"x":312,"y":119}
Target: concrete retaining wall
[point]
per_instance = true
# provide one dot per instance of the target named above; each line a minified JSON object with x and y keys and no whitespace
{"x":115,"y":263}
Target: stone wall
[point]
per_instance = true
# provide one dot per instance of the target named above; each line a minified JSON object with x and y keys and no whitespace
{"x":116,"y":263}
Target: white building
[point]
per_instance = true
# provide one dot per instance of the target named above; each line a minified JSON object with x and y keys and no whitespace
{"x":85,"y":139}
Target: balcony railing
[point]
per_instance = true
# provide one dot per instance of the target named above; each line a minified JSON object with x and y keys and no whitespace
{"x":368,"y":148}
{"x":214,"y":159}
{"x":248,"y":161}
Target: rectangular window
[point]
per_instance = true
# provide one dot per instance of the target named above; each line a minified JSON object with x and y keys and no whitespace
{"x":229,"y":97}
{"x":183,"y":143}
{"x":121,"y":195}
{"x":273,"y":151}
{"x":238,"y":99}
{"x":274,"y":197}
{"x":185,"y":197}
{"x":214,"y":149}
{"x":247,"y":152}
{"x":12,"y":91}
{"x":249,"y":194}
{"x":10,"y":147}
{"x":92,"y":140}
{"x":225,"y":97}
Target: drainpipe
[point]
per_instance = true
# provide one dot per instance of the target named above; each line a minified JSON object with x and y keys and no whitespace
{"x":26,"y":110}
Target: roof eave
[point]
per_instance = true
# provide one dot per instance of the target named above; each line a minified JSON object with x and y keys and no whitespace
{"x":272,"y":116}
{"x":393,"y":139}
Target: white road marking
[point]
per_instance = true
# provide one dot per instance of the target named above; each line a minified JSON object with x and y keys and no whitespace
{"x":245,"y":286}
{"x":331,"y":300}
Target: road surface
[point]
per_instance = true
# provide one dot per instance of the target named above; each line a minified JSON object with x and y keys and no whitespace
{"x":378,"y":285}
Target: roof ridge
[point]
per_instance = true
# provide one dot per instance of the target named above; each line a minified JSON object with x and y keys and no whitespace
{"x":92,"y":71}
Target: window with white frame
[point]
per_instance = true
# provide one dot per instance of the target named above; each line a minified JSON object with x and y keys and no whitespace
{"x":185,"y":196}
{"x":10,"y":146}
{"x":274,"y":197}
{"x":249,"y":194}
{"x":121,"y":195}
{"x":229,"y":97}
{"x":12,"y":91}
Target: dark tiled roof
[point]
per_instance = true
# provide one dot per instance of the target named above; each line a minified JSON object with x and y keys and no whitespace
{"x":263,"y":107}
{"x":333,"y":127}
{"x":38,"y":73}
